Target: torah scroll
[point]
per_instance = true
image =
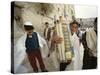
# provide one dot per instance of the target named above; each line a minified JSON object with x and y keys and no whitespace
{"x":64,"y":48}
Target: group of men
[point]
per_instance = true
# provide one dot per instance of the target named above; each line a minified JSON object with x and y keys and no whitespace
{"x":82,"y":53}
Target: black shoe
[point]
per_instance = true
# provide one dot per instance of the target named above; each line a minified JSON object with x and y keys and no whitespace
{"x":35,"y":71}
{"x":44,"y":70}
{"x":48,"y":55}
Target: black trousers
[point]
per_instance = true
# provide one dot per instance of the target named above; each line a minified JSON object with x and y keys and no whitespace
{"x":63,"y":66}
{"x":90,"y":62}
{"x":93,"y":62}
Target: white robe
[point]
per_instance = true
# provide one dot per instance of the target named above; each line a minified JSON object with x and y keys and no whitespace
{"x":19,"y":50}
{"x":77,"y":60}
{"x":91,"y":39}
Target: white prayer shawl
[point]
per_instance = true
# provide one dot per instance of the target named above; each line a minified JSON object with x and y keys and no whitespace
{"x":19,"y":50}
{"x":91,"y":39}
{"x":77,"y":60}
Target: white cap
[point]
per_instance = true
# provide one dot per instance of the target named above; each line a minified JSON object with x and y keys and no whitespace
{"x":28,"y":23}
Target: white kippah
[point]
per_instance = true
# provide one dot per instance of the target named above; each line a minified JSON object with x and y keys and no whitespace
{"x":28,"y":23}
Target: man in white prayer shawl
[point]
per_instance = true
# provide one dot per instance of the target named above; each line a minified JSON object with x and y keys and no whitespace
{"x":30,"y":45}
{"x":47,"y":31}
{"x":89,"y":40}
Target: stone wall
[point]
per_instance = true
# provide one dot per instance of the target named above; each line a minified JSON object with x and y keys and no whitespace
{"x":32,"y":12}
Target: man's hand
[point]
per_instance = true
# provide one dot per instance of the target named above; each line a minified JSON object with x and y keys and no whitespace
{"x":57,"y":39}
{"x":68,"y":61}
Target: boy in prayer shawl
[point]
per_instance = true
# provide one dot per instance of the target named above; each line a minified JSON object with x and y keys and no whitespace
{"x":89,"y":41}
{"x":77,"y":60}
{"x":33,"y":48}
{"x":76,"y":63}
